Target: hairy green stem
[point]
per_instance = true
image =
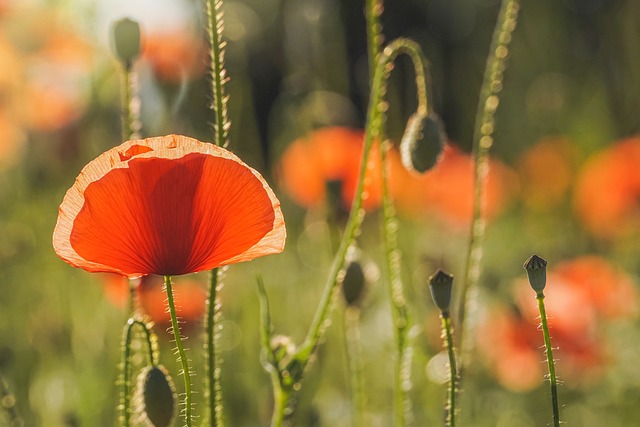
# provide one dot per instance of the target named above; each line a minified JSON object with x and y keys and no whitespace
{"x":130,"y":105}
{"x":550,"y":361}
{"x":125,"y":397}
{"x":182,"y":356}
{"x":215,"y":26}
{"x":453,"y":370}
{"x":212,"y":362}
{"x":482,"y":142}
{"x":354,"y":356}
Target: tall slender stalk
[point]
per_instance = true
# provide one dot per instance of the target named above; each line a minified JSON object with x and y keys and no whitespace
{"x":352,"y":342}
{"x":401,"y":322}
{"x":221,"y":125}
{"x":482,"y":141}
{"x":182,"y":355}
{"x":550,"y":362}
{"x":453,"y":369}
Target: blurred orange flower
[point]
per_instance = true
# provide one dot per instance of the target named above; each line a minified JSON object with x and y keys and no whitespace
{"x":608,"y":189}
{"x":175,"y":56}
{"x":328,"y":155}
{"x":581,"y":293}
{"x":447,"y":189}
{"x":547,"y":170}
{"x":169,"y":206}
{"x":189,"y":295}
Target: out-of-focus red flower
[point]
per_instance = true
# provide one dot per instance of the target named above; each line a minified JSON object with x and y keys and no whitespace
{"x":608,"y":189}
{"x":547,"y":170}
{"x":447,"y":189}
{"x":168,"y":205}
{"x":190,"y":297}
{"x":57,"y":81}
{"x":175,"y":56}
{"x":580,"y":294}
{"x":327,"y":155}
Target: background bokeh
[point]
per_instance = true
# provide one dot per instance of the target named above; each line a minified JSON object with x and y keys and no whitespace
{"x":565,"y":184}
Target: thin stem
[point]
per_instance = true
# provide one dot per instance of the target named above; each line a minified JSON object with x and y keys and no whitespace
{"x":453,"y":369}
{"x":182,"y":356}
{"x":215,"y":26}
{"x":356,"y":215}
{"x":130,"y":105}
{"x":482,"y":142}
{"x":281,"y":403}
{"x":550,"y":361}
{"x":354,"y":356}
{"x":399,"y":311}
{"x":212,"y":368}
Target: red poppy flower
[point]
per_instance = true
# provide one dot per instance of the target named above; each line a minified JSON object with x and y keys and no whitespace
{"x":175,"y":56}
{"x":547,"y":170}
{"x":581,"y":294}
{"x":607,"y":190}
{"x":168,"y":205}
{"x":327,"y":155}
{"x":447,"y":189}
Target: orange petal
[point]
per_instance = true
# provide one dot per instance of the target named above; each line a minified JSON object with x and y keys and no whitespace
{"x":180,"y":207}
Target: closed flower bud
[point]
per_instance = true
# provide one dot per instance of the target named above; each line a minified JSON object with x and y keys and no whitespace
{"x":537,"y":271}
{"x":126,"y":41}
{"x":156,"y":396}
{"x":354,"y":284}
{"x":422,"y":142}
{"x":440,"y":284}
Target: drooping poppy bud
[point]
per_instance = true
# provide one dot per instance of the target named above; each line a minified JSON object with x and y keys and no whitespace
{"x":537,"y":272}
{"x":440,"y":284}
{"x":422,"y":142}
{"x":126,"y":41}
{"x":156,"y":396}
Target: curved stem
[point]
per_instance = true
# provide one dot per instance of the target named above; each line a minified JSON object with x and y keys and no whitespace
{"x":550,"y":361}
{"x":182,"y":356}
{"x":356,"y":215}
{"x":212,"y":368}
{"x":453,"y":370}
{"x":281,"y":402}
{"x":482,"y":142}
{"x":215,"y":25}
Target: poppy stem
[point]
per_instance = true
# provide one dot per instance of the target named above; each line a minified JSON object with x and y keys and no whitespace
{"x":182,"y":356}
{"x":482,"y":142}
{"x":215,"y":25}
{"x":550,"y":361}
{"x":151,"y":341}
{"x":214,"y":391}
{"x":453,"y":369}
{"x":354,"y":356}
{"x":130,"y":105}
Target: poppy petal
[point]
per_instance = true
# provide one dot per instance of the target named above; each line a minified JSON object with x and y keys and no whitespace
{"x":168,"y":205}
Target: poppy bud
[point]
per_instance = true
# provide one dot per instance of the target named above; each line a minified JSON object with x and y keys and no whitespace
{"x":537,"y":271}
{"x":156,"y":396}
{"x":354,"y":284}
{"x":422,"y":142}
{"x":440,"y":284}
{"x":126,"y":40}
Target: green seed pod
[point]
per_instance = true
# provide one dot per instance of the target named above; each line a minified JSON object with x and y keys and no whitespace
{"x":422,"y":142}
{"x":126,"y":41}
{"x":440,"y":284}
{"x":354,"y":284}
{"x":156,"y":396}
{"x":537,"y":272}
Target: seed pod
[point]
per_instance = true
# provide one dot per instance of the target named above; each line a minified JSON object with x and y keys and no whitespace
{"x":156,"y":396}
{"x":354,"y":284}
{"x":440,"y":284}
{"x":126,"y":41}
{"x":422,"y":142}
{"x":537,"y":272}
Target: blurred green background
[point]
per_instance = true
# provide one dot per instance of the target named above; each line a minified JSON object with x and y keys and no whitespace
{"x":299,"y":65}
